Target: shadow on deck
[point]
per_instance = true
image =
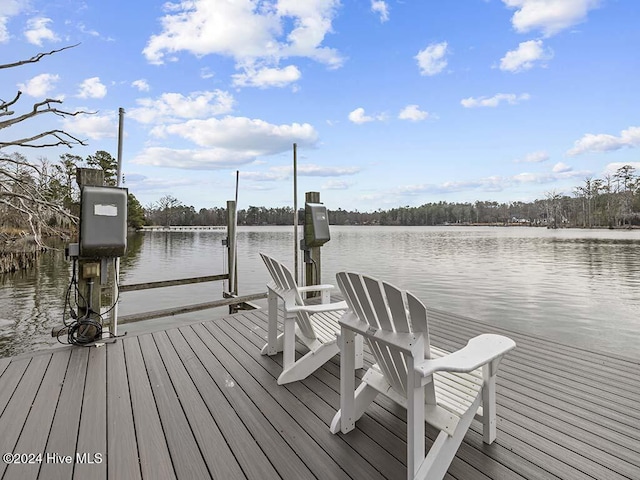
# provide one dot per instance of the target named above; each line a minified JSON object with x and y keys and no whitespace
{"x":200,"y":402}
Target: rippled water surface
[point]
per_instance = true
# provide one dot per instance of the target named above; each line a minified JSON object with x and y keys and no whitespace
{"x":580,"y":287}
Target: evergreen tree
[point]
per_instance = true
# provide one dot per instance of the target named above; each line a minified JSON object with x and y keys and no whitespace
{"x":135,"y":212}
{"x":107,"y":163}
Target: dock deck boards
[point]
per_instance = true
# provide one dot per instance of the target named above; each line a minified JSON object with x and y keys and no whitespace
{"x":199,"y":401}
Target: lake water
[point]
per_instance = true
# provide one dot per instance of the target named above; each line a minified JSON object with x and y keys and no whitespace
{"x":580,"y":287}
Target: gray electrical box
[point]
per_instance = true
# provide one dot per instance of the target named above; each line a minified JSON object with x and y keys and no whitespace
{"x":316,"y":225}
{"x":103,"y":222}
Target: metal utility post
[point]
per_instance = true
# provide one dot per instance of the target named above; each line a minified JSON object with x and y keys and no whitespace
{"x":296,"y":270}
{"x":231,"y":247}
{"x":116,"y":264}
{"x":313,"y":269}
{"x":89,"y":268}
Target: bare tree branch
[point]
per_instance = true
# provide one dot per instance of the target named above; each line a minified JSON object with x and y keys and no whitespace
{"x":39,"y":111}
{"x":30,"y":195}
{"x":36,"y":58}
{"x":57,"y":208}
{"x":63,"y":138}
{"x":18,"y":163}
{"x":4,"y":106}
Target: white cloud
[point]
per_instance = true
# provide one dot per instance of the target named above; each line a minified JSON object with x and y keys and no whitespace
{"x":311,"y":170}
{"x":603,"y":142}
{"x":93,"y":126}
{"x":225,"y":142}
{"x":381,"y":8}
{"x":560,"y":172}
{"x":510,"y":98}
{"x":534,"y":157}
{"x":253,"y":33}
{"x":207,"y":27}
{"x":304,"y":170}
{"x":206,"y":73}
{"x":413,"y":113}
{"x":358,"y":116}
{"x":549,"y":16}
{"x":495,"y":183}
{"x":87,"y":31}
{"x":253,"y":136}
{"x":270,"y":176}
{"x":561,"y":168}
{"x":38,"y":30}
{"x":8,"y":9}
{"x":171,"y":107}
{"x":267,"y":77}
{"x":4,"y":31}
{"x":612,"y":168}
{"x":193,"y":159}
{"x":336,"y":185}
{"x":142,"y":85}
{"x":431,"y":60}
{"x":92,"y":88}
{"x":139,"y":183}
{"x":40,"y":85}
{"x":524,"y":57}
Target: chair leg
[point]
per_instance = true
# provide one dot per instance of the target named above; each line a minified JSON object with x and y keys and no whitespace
{"x":271,"y":348}
{"x":288,"y":344}
{"x":415,"y":419}
{"x":305,"y":366}
{"x":363,"y":397}
{"x":279,"y":346}
{"x":441,"y":453}
{"x":353,"y":402}
{"x":488,"y":406}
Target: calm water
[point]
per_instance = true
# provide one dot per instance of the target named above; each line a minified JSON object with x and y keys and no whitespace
{"x":581,"y":287}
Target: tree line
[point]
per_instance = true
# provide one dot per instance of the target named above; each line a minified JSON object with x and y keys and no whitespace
{"x":612,"y":201}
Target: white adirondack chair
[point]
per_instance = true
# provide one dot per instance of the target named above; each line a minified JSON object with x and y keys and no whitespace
{"x":315,"y":325}
{"x":445,"y":390}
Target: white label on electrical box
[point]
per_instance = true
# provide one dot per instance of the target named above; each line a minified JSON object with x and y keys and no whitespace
{"x":105,"y":210}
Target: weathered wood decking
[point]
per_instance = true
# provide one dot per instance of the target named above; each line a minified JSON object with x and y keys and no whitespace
{"x":201,"y":402}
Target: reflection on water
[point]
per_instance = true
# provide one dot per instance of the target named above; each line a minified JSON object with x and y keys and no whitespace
{"x":575,"y":286}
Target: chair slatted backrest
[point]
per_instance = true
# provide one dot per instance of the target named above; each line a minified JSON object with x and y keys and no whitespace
{"x":384,"y":306}
{"x":286,"y":287}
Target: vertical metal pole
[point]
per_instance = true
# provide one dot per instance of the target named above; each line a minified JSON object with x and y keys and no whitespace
{"x":116,"y":266}
{"x":235,"y":238}
{"x":231,"y":243}
{"x":295,"y":213}
{"x":120,"y":136}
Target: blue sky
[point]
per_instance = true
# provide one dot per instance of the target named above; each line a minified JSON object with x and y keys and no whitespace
{"x":390,"y":102}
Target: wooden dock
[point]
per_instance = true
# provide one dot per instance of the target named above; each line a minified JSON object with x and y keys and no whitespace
{"x":200,"y":402}
{"x":181,"y":228}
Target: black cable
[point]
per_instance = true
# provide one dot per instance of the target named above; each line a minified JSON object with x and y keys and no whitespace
{"x":85,"y":330}
{"x":77,"y":330}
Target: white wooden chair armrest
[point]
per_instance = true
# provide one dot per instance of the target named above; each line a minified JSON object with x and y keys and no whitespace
{"x":316,"y":288}
{"x":479,"y":351}
{"x":323,"y":307}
